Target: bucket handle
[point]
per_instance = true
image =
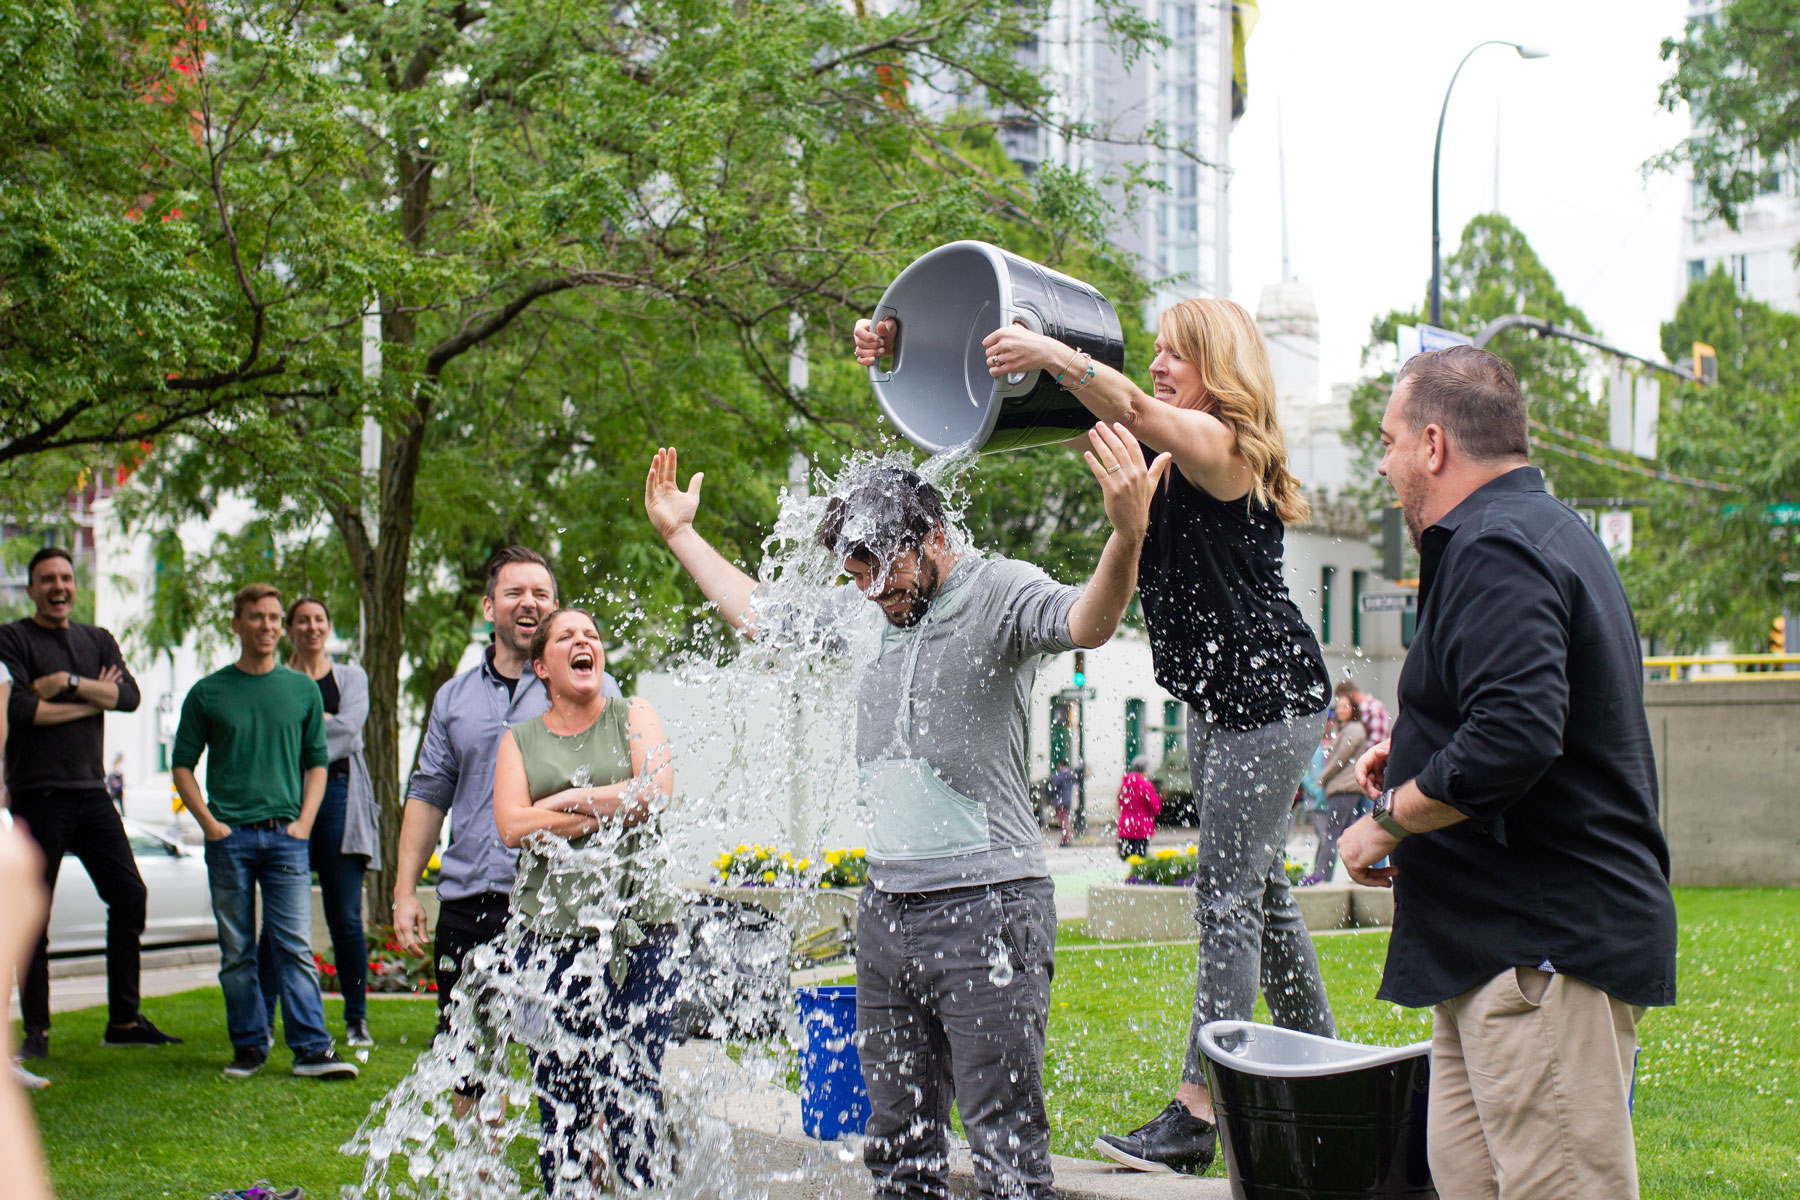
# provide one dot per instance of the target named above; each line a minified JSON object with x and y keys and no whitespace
{"x":1030,"y":320}
{"x":882,"y":313}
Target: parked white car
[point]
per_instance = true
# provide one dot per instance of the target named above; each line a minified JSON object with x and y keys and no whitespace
{"x":178,"y":909}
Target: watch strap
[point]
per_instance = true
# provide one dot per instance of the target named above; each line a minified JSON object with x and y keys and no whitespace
{"x":1383,"y":812}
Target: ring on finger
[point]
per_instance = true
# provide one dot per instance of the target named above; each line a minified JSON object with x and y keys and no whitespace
{"x":1115,"y":467}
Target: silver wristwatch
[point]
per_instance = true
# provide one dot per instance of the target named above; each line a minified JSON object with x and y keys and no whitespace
{"x":1383,"y":813}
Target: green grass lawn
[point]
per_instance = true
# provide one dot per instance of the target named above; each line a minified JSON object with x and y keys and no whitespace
{"x":1716,"y":1103}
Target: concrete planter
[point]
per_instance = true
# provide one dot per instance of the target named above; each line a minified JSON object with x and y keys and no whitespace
{"x":1129,"y":912}
{"x":803,"y":910}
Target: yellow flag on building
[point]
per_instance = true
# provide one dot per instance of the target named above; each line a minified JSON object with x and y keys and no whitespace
{"x":1244,"y":14}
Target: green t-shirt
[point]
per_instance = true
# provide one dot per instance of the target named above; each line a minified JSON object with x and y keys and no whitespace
{"x":260,"y":733}
{"x":624,"y":883}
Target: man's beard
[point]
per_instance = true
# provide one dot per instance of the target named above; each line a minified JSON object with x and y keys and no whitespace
{"x":919,"y":597}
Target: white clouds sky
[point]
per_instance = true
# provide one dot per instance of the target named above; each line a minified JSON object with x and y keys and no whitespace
{"x":1359,"y":86}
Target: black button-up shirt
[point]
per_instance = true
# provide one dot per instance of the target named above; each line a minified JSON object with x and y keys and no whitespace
{"x":1522,"y":705}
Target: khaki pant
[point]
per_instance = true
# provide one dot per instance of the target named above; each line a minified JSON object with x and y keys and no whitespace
{"x":1530,"y":1091}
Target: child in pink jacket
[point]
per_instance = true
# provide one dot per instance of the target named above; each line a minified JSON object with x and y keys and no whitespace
{"x":1138,"y":806}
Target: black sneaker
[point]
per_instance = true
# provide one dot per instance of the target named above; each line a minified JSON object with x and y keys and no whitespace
{"x":356,"y":1033}
{"x":246,"y":1062}
{"x":1173,"y":1140}
{"x":324,"y":1064}
{"x":140,"y":1033}
{"x":35,"y":1046}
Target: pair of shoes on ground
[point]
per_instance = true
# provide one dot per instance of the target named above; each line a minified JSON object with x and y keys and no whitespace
{"x":320,"y":1064}
{"x":141,"y":1032}
{"x":1173,"y":1140}
{"x":262,"y":1189}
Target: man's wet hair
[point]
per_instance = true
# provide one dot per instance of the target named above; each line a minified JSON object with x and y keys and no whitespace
{"x":882,"y":512}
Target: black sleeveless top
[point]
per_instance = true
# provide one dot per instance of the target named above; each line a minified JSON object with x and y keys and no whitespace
{"x":1224,"y":634}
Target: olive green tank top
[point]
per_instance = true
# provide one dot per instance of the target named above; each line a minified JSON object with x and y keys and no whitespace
{"x":625,"y":890}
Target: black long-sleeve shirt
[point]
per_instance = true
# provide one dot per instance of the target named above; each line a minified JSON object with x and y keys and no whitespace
{"x":71,"y":755}
{"x":1522,"y":706}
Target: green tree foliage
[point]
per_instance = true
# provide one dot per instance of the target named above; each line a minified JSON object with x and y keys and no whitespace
{"x":1739,"y":77}
{"x":1726,"y":565}
{"x":1495,"y":273}
{"x":587,"y":230}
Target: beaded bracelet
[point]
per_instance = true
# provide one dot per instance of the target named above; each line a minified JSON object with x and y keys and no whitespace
{"x":1067,"y":365}
{"x":1086,"y":378}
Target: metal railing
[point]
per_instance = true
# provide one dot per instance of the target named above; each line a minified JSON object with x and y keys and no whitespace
{"x":1745,"y":666}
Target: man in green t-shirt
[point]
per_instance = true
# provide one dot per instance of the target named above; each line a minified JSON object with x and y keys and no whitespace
{"x":262,"y":729}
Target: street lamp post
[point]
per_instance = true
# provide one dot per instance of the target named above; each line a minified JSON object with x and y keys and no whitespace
{"x":1437,"y":154}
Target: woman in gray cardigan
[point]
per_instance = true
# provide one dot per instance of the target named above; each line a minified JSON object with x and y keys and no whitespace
{"x":345,"y":835}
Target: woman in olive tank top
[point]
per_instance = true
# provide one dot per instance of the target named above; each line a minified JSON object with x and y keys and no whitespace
{"x":581,"y":791}
{"x":1225,"y":637}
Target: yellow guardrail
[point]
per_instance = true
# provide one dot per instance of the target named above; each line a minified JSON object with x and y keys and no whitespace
{"x":1761,"y":666}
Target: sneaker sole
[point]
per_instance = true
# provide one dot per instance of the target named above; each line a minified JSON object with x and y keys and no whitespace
{"x":240,"y":1072}
{"x":334,"y":1071}
{"x":1131,"y":1160}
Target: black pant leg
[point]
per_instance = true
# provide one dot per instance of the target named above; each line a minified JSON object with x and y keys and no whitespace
{"x":46,"y":818}
{"x":98,"y":839}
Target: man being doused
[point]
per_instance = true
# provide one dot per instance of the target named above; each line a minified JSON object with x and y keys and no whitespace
{"x":956,"y":932}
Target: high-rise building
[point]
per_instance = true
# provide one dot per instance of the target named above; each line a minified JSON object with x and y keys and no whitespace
{"x":1179,"y":234}
{"x":1758,"y":254}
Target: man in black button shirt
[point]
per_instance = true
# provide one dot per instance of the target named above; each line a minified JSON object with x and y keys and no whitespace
{"x":64,"y":676}
{"x":1516,"y":800}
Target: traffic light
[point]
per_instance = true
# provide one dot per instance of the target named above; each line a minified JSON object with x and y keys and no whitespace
{"x":1777,"y":637}
{"x":1706,"y":363}
{"x":1080,"y":668}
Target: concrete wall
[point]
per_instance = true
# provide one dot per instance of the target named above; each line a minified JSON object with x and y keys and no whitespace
{"x":1728,"y":765}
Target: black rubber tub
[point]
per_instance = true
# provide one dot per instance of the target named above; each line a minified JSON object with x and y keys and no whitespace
{"x":936,"y":388}
{"x":1310,"y":1118}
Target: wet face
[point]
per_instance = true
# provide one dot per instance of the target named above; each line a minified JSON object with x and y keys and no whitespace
{"x":52,"y":589}
{"x":904,"y":590}
{"x":1403,"y":453}
{"x":524,"y":594}
{"x":309,"y":628}
{"x":258,"y":627}
{"x":1173,"y":379}
{"x":573,"y":659}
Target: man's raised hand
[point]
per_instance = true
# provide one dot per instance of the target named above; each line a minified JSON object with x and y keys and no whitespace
{"x":669,"y":508}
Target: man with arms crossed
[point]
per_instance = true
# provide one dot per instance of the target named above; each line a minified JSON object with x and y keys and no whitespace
{"x":455,"y":775}
{"x":65,"y":676}
{"x":958,"y":924}
{"x":1517,"y":800}
{"x":262,"y":728}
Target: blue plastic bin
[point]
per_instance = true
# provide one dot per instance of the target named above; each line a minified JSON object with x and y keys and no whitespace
{"x":833,"y":1099}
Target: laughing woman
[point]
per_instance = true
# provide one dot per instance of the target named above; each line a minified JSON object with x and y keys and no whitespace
{"x":580,"y":791}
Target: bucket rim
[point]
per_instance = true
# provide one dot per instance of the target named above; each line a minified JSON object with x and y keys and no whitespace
{"x":1369,"y":1056}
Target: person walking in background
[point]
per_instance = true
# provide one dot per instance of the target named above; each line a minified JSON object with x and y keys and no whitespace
{"x":1063,"y":782}
{"x":592,"y":773}
{"x":1226,"y":637}
{"x":1138,"y":805}
{"x":1337,"y":780}
{"x":65,"y":675}
{"x":1517,"y":804}
{"x":1371,"y":712}
{"x":115,"y":783}
{"x":261,"y":727}
{"x":1310,"y":801}
{"x":346,"y":835}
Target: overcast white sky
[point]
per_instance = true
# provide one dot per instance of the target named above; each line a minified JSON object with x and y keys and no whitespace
{"x":1359,"y":86}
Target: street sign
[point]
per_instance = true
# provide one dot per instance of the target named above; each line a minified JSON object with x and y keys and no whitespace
{"x":1614,"y":529}
{"x":1390,"y":602}
{"x":1070,"y":695}
{"x":1416,"y":339}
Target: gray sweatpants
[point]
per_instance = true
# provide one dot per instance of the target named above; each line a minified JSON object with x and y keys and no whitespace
{"x":1251,"y":933}
{"x":938,"y":1018}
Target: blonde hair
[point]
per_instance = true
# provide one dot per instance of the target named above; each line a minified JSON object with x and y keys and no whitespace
{"x":1236,"y":386}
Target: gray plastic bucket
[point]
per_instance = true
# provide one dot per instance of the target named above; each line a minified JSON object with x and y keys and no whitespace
{"x":938,"y":392}
{"x":1311,"y":1118}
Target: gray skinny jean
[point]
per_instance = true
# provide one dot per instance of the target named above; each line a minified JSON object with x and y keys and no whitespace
{"x":1251,"y":933}
{"x":938,"y":1019}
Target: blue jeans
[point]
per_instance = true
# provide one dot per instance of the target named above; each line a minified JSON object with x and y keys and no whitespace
{"x":341,"y":888}
{"x":237,"y":865}
{"x":608,"y":1086}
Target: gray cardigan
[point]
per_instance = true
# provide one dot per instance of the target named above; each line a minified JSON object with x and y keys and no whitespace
{"x":344,"y":739}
